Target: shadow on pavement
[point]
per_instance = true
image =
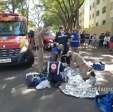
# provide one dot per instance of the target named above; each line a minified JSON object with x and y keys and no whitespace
{"x":13,"y":67}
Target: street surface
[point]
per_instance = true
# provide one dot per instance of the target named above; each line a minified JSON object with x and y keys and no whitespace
{"x":15,"y":97}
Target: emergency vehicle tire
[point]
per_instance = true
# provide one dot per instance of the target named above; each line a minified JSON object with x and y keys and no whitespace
{"x":29,"y":59}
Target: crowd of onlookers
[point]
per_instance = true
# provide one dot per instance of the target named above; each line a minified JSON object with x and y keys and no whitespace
{"x":104,"y":40}
{"x":85,"y":40}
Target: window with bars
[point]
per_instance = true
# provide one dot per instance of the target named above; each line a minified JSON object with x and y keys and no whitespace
{"x":104,"y":10}
{"x":103,"y":22}
{"x":97,"y":13}
{"x":98,"y":1}
{"x":97,"y":24}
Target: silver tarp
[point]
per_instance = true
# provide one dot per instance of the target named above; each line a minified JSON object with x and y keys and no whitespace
{"x":77,"y":87}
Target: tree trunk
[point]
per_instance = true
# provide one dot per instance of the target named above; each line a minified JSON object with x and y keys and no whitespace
{"x":13,"y":6}
{"x":39,"y":43}
{"x":41,"y":59}
{"x":78,"y":4}
{"x":77,"y":18}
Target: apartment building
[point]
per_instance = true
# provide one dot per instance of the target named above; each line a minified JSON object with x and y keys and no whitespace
{"x":84,"y":15}
{"x":81,"y":16}
{"x":100,"y":12}
{"x":100,"y":15}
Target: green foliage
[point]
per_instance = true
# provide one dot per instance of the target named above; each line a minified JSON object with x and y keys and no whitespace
{"x":50,"y":19}
{"x":65,"y":12}
{"x":30,"y":23}
{"x":14,"y":5}
{"x":2,"y":6}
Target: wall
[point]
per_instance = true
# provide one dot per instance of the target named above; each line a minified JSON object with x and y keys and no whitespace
{"x":102,"y":29}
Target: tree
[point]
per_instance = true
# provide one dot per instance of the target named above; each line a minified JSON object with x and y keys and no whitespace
{"x":67,"y":11}
{"x":50,"y":19}
{"x":37,"y":13}
{"x":14,"y":5}
{"x":2,"y":5}
{"x":30,"y":23}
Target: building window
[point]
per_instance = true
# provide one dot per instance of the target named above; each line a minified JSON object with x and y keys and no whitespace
{"x":97,"y":24}
{"x":93,"y":15}
{"x":90,"y":7}
{"x":111,"y":8}
{"x":103,"y":9}
{"x":98,"y":1}
{"x":97,"y":13}
{"x":103,"y":22}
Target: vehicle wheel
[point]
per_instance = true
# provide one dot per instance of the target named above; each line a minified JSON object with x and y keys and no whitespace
{"x":29,"y":58}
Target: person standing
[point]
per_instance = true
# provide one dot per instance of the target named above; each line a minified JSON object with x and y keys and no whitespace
{"x":31,"y":38}
{"x":101,"y":40}
{"x":111,"y":43}
{"x":94,"y":41}
{"x":105,"y":42}
{"x":82,"y":39}
{"x":90,"y":38}
{"x":75,"y":39}
{"x":62,"y":38}
{"x":87,"y":36}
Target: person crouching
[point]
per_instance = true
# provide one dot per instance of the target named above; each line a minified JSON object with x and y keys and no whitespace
{"x":55,"y":70}
{"x":77,"y":61}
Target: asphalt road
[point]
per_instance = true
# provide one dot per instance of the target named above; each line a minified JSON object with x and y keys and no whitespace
{"x":15,"y":97}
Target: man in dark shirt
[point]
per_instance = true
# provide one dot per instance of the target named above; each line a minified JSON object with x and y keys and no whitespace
{"x":31,"y":37}
{"x":82,"y":39}
{"x":62,"y":38}
{"x":101,"y":40}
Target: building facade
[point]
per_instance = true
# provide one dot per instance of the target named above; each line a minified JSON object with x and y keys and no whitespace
{"x":84,"y":15}
{"x":100,"y":16}
{"x":81,"y":16}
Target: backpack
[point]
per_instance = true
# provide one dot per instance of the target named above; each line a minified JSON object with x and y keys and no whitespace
{"x":105,"y":102}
